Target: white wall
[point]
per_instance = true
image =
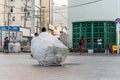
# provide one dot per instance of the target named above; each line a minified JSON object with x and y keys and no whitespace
{"x":26,"y":31}
{"x":1,"y":12}
{"x":60,"y":15}
{"x":104,"y":10}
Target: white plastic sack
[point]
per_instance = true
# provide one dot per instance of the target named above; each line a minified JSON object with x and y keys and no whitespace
{"x":48,"y":50}
{"x":15,"y":47}
{"x":11,"y":47}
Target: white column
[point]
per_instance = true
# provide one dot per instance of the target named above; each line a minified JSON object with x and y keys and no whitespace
{"x":117,"y":29}
{"x":32,"y":18}
{"x":118,"y":33}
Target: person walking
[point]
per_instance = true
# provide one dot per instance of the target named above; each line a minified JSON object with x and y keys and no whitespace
{"x":99,"y":45}
{"x":6,"y":45}
{"x":107,"y":48}
{"x":36,"y":34}
{"x":13,"y":37}
{"x":82,"y":44}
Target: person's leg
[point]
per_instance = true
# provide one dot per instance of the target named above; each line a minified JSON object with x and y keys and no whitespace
{"x":80,"y":49}
{"x":105,"y":51}
{"x":98,"y":47}
{"x":7,"y":48}
{"x":101,"y":47}
{"x":83,"y":48}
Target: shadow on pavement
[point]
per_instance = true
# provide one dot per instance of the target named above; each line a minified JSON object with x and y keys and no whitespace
{"x":62,"y":65}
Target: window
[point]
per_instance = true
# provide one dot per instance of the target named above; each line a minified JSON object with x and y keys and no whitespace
{"x":25,"y":0}
{"x":28,"y":8}
{"x":28,"y":14}
{"x":29,"y":18}
{"x":12,"y":0}
{"x":11,"y":9}
{"x":22,"y":18}
{"x":13,"y":18}
{"x":22,"y":9}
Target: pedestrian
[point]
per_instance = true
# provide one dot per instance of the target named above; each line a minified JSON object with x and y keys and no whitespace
{"x":6,"y":45}
{"x":44,"y":29}
{"x":99,"y":45}
{"x":36,"y":34}
{"x":82,"y":44}
{"x":107,"y":48}
{"x":13,"y":38}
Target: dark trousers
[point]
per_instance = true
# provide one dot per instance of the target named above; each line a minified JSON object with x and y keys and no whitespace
{"x":99,"y":48}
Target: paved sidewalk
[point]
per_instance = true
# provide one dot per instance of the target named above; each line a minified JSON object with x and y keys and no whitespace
{"x":20,"y":66}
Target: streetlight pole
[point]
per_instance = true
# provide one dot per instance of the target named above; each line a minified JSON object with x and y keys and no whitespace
{"x":25,"y":9}
{"x":43,"y":18}
{"x":51,"y":11}
{"x":32,"y":17}
{"x":9,"y":24}
{"x":37,"y":23}
{"x":9,"y":18}
{"x":40,"y":15}
{"x":5,"y":2}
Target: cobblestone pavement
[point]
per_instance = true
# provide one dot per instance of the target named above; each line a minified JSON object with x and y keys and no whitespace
{"x":20,"y":66}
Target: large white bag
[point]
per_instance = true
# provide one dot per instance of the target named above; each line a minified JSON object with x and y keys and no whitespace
{"x":48,"y":50}
{"x":15,"y":47}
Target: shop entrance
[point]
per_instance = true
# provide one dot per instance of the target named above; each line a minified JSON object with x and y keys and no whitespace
{"x":93,"y":30}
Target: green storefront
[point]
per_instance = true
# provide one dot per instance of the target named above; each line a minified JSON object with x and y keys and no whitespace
{"x":92,"y":30}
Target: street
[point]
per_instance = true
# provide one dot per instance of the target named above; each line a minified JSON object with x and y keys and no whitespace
{"x":20,"y":66}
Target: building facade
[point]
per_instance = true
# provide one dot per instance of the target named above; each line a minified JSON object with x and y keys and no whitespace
{"x":16,"y":13}
{"x":32,"y":14}
{"x":84,"y":15}
{"x":44,"y":10}
{"x":60,"y":15}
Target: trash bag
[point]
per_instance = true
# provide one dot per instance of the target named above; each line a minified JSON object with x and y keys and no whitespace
{"x":48,"y":50}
